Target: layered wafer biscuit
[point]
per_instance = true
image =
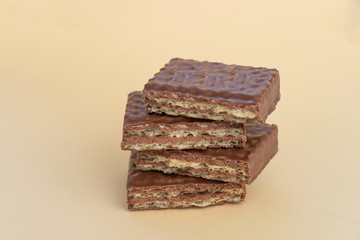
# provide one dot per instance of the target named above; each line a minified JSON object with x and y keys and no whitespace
{"x":211,"y":90}
{"x":234,"y":165}
{"x":144,"y":131}
{"x":156,"y":190}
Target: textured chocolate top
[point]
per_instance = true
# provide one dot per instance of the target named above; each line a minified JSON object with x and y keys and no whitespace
{"x":212,"y":80}
{"x":136,"y":113}
{"x":138,"y":178}
{"x":256,"y":136}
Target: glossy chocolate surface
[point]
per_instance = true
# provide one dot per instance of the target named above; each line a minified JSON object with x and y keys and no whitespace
{"x":234,"y":83}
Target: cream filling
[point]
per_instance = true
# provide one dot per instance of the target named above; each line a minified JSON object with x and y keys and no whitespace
{"x":171,"y":162}
{"x":194,"y":114}
{"x":201,"y":203}
{"x":180,"y":193}
{"x":185,"y":133}
{"x":188,"y":145}
{"x":194,"y":172}
{"x":241,"y":113}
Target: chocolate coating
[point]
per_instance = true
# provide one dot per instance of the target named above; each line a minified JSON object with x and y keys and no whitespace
{"x":259,"y":149}
{"x":138,"y":120}
{"x":234,"y":83}
{"x":155,"y":190}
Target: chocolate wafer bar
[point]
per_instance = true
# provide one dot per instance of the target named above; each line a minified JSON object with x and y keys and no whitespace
{"x":211,"y":90}
{"x":156,"y":190}
{"x":234,"y":165}
{"x":143,"y":131}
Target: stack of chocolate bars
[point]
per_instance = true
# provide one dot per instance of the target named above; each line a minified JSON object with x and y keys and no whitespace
{"x":197,"y":133}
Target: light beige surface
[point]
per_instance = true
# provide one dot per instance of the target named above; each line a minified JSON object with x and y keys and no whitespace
{"x":66,"y":68}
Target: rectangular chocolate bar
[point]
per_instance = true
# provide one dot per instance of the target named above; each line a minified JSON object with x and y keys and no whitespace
{"x":143,"y":131}
{"x":156,"y":190}
{"x":211,"y":90}
{"x":234,"y":165}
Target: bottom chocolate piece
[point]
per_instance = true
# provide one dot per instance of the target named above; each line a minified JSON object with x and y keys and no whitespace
{"x":156,"y":190}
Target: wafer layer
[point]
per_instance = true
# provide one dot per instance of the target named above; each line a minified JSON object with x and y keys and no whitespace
{"x":143,"y":131}
{"x":216,"y":91}
{"x":155,"y":190}
{"x":230,"y":165}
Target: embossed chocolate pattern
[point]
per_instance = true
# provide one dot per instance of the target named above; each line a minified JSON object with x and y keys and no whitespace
{"x":212,"y":80}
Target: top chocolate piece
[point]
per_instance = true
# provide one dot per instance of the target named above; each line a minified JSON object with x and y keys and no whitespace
{"x":213,"y":90}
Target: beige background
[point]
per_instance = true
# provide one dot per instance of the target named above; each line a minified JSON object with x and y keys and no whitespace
{"x":66,"y":68}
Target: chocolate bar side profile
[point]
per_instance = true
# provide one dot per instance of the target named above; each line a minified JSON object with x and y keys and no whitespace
{"x":234,"y":165}
{"x":216,"y":91}
{"x":156,"y":190}
{"x":144,"y":131}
